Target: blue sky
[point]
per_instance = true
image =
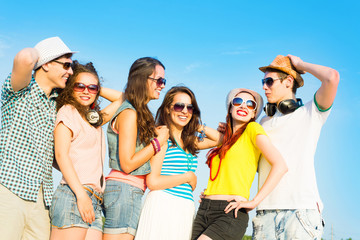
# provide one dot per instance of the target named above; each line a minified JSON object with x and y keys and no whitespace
{"x":212,"y":47}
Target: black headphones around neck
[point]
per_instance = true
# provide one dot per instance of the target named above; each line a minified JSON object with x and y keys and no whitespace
{"x":285,"y":107}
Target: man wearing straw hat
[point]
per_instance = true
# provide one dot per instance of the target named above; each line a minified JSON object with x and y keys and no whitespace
{"x":293,"y":209}
{"x":26,"y":143}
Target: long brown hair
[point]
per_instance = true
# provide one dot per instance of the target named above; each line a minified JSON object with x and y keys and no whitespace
{"x":163,"y":118}
{"x":66,"y":95}
{"x":137,"y":93}
{"x":229,"y":137}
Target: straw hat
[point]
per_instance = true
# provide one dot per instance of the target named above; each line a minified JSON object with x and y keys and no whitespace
{"x":283,"y":64}
{"x":50,"y":49}
{"x":258,"y":99}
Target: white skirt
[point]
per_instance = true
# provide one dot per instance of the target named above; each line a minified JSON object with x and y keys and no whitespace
{"x":165,"y":217}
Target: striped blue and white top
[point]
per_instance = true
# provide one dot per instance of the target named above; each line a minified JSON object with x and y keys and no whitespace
{"x":177,"y":161}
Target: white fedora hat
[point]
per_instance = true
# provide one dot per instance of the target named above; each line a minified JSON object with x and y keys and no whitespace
{"x":50,"y":49}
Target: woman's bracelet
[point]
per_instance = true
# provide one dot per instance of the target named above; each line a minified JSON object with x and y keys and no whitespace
{"x":156,"y":145}
{"x":202,"y":133}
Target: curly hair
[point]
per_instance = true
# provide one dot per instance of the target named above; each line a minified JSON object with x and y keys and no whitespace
{"x":137,"y":93}
{"x":66,"y":95}
{"x":163,"y":118}
{"x":230,"y":137}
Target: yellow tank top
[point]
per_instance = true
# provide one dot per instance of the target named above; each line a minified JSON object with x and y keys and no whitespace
{"x":239,"y":166}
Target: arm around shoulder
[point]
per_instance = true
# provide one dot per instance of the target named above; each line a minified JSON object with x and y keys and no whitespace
{"x":24,"y":63}
{"x":111,"y":94}
{"x":213,"y":138}
{"x":115,"y":97}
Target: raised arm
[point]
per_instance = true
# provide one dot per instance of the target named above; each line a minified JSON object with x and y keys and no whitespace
{"x":156,"y":181}
{"x":126,"y":126}
{"x":329,"y":80}
{"x":115,"y":97}
{"x":63,"y":136}
{"x":111,"y":94}
{"x":213,"y":138}
{"x":278,"y":169}
{"x":24,"y":63}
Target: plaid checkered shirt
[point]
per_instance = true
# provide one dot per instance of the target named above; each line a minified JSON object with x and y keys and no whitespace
{"x":27,"y":142}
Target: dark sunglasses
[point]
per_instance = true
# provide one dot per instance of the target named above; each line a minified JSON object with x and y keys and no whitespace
{"x":179,"y":107}
{"x":66,"y":65}
{"x":250,"y":104}
{"x":160,"y":81}
{"x":269,"y":81}
{"x":80,"y":87}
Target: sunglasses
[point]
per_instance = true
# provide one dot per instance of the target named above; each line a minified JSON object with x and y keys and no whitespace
{"x":179,"y":107}
{"x":66,"y":65}
{"x":80,"y":87}
{"x":250,"y":104}
{"x":269,"y":81}
{"x":160,"y":81}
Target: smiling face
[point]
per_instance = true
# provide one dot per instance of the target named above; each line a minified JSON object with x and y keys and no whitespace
{"x":153,"y":88}
{"x":57,"y":75}
{"x":85,"y":98}
{"x":241,"y":114}
{"x":180,"y":119}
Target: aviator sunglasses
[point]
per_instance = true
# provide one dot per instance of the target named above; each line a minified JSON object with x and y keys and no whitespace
{"x":179,"y":107}
{"x":66,"y":65}
{"x":160,"y":81}
{"x":269,"y":81}
{"x":250,"y":104}
{"x":80,"y":87}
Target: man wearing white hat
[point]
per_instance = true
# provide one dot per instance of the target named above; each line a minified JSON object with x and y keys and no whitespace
{"x":293,"y":209}
{"x":26,"y":143}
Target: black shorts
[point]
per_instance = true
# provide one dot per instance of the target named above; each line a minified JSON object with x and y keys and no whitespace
{"x":212,"y":221}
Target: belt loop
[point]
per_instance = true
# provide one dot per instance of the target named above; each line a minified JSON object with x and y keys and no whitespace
{"x":205,"y":203}
{"x":208,"y":204}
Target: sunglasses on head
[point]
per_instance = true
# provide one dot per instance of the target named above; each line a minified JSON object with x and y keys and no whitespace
{"x":80,"y":87}
{"x":250,"y":104}
{"x":269,"y":81}
{"x":160,"y":81}
{"x":66,"y":65}
{"x":179,"y":107}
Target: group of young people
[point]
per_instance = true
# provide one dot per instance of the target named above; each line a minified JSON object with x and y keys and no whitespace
{"x":51,"y":118}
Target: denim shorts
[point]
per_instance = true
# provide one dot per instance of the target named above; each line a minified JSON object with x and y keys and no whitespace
{"x":64,"y":212}
{"x":212,"y":221}
{"x":288,"y":224}
{"x":122,"y":203}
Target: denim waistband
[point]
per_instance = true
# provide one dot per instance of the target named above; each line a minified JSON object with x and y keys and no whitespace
{"x":99,"y":196}
{"x":265,"y":211}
